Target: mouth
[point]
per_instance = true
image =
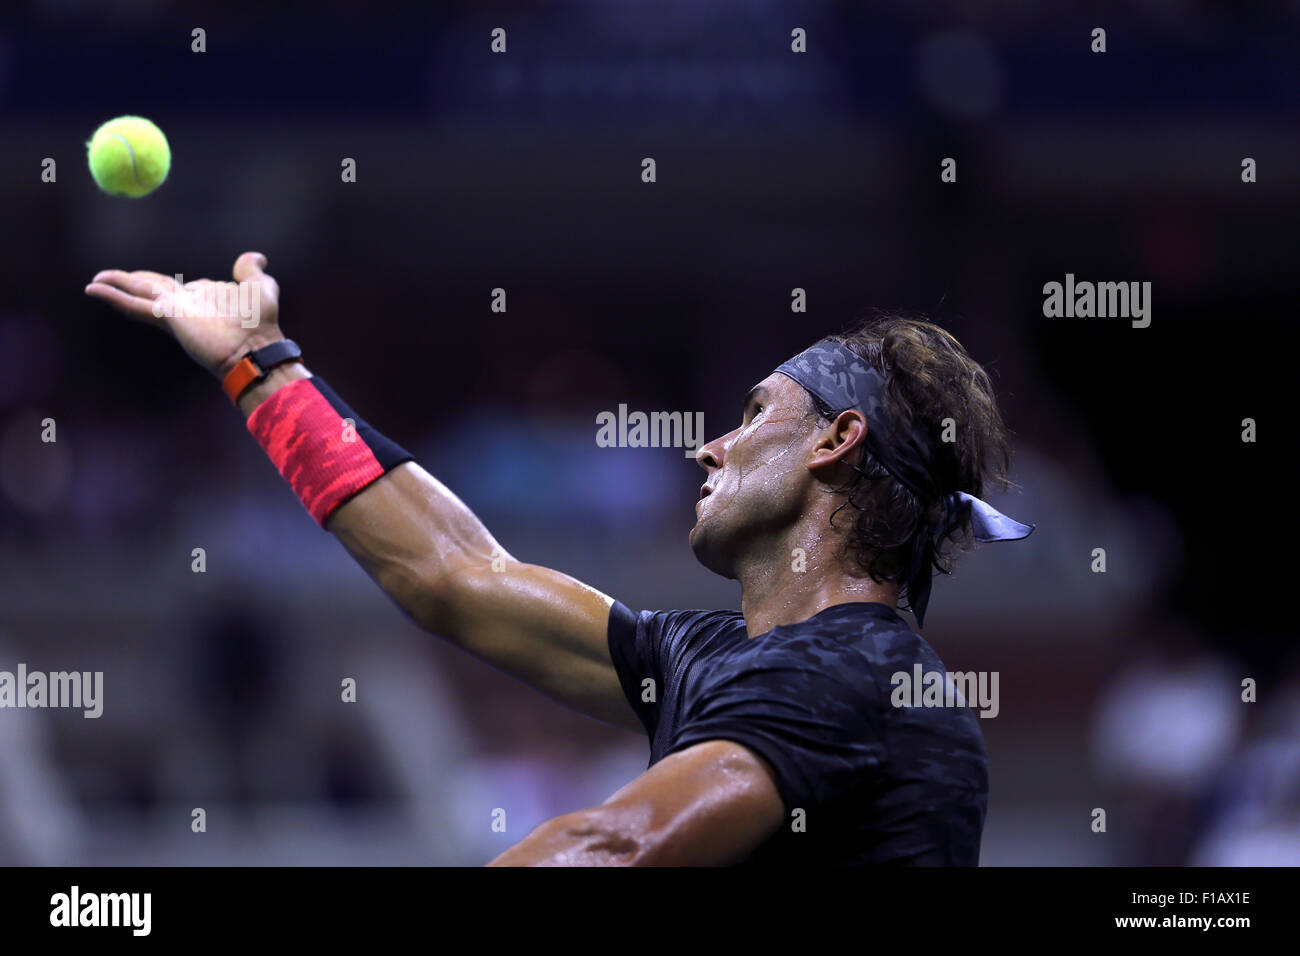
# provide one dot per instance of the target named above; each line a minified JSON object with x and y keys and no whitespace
{"x":705,"y":491}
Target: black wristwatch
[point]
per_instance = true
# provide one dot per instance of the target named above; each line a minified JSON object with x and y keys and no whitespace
{"x":252,"y":368}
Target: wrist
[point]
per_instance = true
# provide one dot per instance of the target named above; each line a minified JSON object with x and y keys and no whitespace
{"x":254,"y":365}
{"x":250,"y":344}
{"x":275,"y":380}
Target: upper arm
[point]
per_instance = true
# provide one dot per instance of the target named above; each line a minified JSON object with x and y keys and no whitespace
{"x":545,"y":628}
{"x":707,"y":805}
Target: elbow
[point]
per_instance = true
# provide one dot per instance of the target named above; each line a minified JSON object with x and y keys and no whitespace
{"x":422,"y":594}
{"x":428,"y":592}
{"x":445,"y":599}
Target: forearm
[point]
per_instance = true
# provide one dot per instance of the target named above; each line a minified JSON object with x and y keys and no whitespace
{"x":707,"y":805}
{"x":409,"y":532}
{"x":595,"y":837}
{"x":664,"y":830}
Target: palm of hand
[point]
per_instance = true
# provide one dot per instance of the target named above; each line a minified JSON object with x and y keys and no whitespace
{"x":214,"y":322}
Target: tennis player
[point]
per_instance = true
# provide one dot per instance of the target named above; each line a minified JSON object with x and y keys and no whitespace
{"x":776,"y":735}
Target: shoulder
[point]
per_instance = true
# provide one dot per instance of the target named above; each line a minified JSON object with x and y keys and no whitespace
{"x":841,"y":663}
{"x":844,"y":643}
{"x":876,"y":644}
{"x":660,"y":644}
{"x":795,"y":676}
{"x":689,"y":621}
{"x":665,"y":634}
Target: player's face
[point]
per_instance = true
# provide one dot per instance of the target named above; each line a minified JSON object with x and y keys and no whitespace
{"x":758,"y":478}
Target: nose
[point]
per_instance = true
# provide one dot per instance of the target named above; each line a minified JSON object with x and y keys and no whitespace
{"x":710,"y":457}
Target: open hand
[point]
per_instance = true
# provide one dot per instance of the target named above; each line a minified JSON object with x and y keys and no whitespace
{"x":215,"y":322}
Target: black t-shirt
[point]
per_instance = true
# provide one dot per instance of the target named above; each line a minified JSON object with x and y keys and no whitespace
{"x":876,"y":783}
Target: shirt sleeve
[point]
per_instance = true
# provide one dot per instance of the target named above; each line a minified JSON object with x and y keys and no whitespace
{"x":820,"y":728}
{"x":634,"y":650}
{"x":648,"y":646}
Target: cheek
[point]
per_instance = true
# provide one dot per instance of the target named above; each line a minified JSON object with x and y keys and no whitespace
{"x":763,"y":463}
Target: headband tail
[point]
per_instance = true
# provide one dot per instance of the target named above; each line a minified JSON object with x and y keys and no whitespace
{"x":991,"y":524}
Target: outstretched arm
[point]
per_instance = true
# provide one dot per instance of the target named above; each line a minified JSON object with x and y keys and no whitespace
{"x":707,"y":805}
{"x":412,"y":535}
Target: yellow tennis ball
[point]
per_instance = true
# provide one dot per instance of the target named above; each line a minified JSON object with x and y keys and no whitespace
{"x":129,"y":156}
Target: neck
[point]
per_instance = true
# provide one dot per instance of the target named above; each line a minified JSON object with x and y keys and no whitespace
{"x":800,"y":575}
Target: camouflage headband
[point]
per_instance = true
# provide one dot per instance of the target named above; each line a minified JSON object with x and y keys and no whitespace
{"x":841,"y":379}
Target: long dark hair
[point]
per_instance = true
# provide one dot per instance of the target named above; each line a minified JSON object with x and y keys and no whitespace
{"x":929,"y":378}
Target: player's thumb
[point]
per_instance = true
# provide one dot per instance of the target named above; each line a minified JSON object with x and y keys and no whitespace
{"x":249,"y":266}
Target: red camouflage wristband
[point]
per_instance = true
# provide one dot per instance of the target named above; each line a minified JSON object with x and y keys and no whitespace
{"x":318,"y":444}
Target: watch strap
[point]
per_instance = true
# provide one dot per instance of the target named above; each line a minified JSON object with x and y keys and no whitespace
{"x":254,"y":365}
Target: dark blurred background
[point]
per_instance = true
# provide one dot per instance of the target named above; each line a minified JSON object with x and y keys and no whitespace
{"x":776,"y":170}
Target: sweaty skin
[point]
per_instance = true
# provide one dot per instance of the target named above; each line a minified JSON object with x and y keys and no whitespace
{"x":769,"y":491}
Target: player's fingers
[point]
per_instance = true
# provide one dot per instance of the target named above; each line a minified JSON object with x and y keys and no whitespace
{"x":167,"y":282}
{"x":136,"y":307}
{"x":144,"y":284}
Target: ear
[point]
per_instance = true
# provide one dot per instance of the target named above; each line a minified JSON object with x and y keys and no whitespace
{"x":837,"y":443}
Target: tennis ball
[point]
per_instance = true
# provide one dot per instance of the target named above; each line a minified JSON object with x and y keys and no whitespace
{"x":129,"y":156}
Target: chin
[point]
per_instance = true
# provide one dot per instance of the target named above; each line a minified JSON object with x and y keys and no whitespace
{"x":708,"y":552}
